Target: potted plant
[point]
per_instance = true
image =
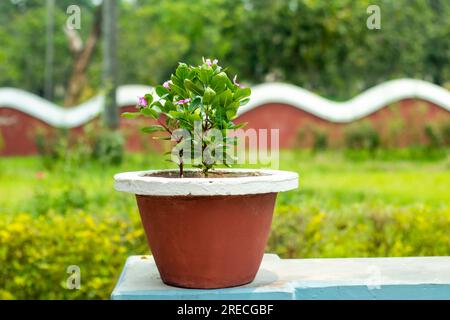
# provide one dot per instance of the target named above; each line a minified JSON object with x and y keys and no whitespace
{"x":206,"y":227}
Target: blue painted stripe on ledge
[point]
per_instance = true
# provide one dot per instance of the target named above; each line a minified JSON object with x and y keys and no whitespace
{"x":387,"y":292}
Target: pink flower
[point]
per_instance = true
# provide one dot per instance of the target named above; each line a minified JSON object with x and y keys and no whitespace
{"x":142,"y":101}
{"x":183,"y":101}
{"x":167,"y":84}
{"x":209,"y":62}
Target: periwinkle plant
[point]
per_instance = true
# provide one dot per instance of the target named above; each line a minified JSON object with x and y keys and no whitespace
{"x":195,"y":108}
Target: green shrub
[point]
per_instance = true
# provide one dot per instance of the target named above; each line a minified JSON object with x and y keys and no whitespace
{"x":94,"y":143}
{"x":67,"y":197}
{"x":368,"y":231}
{"x":362,"y":136}
{"x":433,"y":136}
{"x":108,"y":147}
{"x":36,"y":251}
{"x":61,"y":146}
{"x":438,"y":135}
{"x":2,"y":144}
{"x":51,"y":146}
{"x":445,"y":133}
{"x":320,"y":140}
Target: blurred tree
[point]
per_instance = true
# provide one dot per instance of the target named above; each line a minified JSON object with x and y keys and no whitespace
{"x":155,"y":35}
{"x":325,"y":46}
{"x":322,"y":45}
{"x":23,"y":45}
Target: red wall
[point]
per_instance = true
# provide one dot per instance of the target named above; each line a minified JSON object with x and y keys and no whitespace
{"x":403,"y":122}
{"x":399,"y":124}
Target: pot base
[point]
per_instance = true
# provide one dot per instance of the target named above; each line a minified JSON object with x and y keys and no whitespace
{"x":210,"y":286}
{"x":207,"y":242}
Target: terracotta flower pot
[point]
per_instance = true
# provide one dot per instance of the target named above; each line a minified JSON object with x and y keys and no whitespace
{"x":207,"y":232}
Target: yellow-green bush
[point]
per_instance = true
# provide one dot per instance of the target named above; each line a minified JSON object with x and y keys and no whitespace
{"x":36,"y":251}
{"x":367,"y":231}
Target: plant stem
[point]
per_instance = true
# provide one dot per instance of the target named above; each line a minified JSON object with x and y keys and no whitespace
{"x":164,"y":126}
{"x":181,"y":163}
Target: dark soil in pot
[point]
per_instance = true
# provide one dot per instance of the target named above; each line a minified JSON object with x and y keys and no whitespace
{"x":200,"y":174}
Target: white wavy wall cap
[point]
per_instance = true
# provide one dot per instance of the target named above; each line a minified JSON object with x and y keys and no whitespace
{"x":58,"y":116}
{"x":360,"y":106}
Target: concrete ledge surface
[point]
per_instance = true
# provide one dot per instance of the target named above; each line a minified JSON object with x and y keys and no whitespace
{"x":304,"y":279}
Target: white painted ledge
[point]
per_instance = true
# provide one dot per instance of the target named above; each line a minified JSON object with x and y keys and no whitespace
{"x":341,"y":112}
{"x":305,"y":279}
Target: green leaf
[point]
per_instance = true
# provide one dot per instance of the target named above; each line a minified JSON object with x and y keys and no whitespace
{"x":194,"y":117}
{"x":231,"y":113}
{"x":168,"y":106}
{"x":162,"y":138}
{"x":218,"y":82}
{"x":230,"y":85}
{"x":225,"y":98}
{"x":191,"y":86}
{"x":148,"y":112}
{"x":241,"y":93}
{"x":130,"y":115}
{"x":191,"y":74}
{"x":175,"y":80}
{"x":179,"y":90}
{"x":209,"y":95}
{"x":152,"y":129}
{"x":204,"y":74}
{"x":149,"y":98}
{"x":195,"y":103}
{"x":244,"y":101}
{"x":234,"y":105}
{"x":182,"y":71}
{"x":157,"y":106}
{"x":225,"y":124}
{"x":176,"y":114}
{"x":161,"y":91}
{"x":240,"y":125}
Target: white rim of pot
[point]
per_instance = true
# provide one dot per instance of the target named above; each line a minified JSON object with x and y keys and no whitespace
{"x":269,"y":181}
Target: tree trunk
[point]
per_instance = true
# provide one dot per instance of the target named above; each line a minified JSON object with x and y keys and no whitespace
{"x":82,"y":59}
{"x":49,"y":51}
{"x":110,"y":112}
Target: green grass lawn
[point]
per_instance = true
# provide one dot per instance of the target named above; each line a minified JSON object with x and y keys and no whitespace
{"x":327,"y":179}
{"x":50,"y":219}
{"x":330,"y":178}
